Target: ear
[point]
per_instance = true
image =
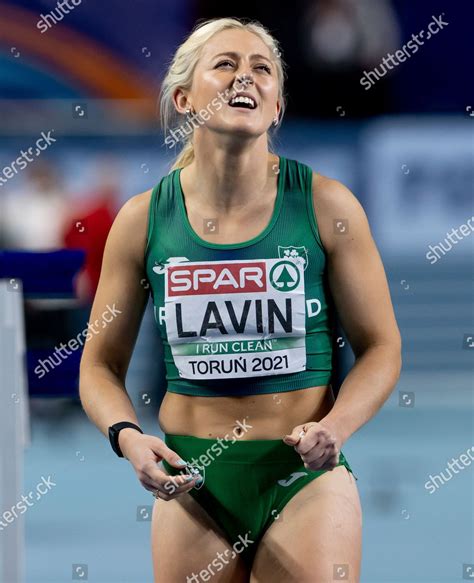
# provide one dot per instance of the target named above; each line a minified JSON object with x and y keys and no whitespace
{"x":278,"y":109}
{"x":181,"y":101}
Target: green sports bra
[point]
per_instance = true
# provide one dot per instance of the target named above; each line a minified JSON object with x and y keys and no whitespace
{"x":244,"y":318}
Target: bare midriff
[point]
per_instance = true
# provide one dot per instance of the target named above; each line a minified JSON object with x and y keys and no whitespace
{"x":271,"y":416}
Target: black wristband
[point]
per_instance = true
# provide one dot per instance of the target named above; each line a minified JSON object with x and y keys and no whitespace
{"x":114,"y":431}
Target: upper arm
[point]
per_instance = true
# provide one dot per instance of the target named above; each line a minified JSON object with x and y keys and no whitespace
{"x":355,"y":271}
{"x":121,"y":284}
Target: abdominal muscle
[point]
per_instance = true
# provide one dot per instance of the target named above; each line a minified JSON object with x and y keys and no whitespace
{"x":267,"y":416}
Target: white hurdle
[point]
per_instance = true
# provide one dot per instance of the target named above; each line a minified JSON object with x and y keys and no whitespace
{"x":14,"y":429}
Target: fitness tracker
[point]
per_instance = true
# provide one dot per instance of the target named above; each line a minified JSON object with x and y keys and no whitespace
{"x":114,"y":431}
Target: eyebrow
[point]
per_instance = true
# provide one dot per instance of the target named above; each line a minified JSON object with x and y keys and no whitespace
{"x":236,"y":55}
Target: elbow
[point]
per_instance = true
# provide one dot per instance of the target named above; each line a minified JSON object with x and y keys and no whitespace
{"x":398,"y":353}
{"x":395,"y":359}
{"x":100,"y":362}
{"x":93,"y":374}
{"x":394,"y":345}
{"x":399,"y":364}
{"x":389,"y":352}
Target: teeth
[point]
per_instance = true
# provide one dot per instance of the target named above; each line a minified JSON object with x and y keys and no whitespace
{"x":242,"y":99}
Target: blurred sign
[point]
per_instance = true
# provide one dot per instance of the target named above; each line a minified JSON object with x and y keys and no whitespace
{"x":420,"y":180}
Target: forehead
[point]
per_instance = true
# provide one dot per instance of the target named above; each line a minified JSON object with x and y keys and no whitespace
{"x":235,"y":40}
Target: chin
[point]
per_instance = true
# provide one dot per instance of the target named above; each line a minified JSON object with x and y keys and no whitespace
{"x":249,"y":127}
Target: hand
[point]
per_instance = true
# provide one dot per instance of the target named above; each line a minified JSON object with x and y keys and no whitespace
{"x":317,"y":445}
{"x":144,"y":452}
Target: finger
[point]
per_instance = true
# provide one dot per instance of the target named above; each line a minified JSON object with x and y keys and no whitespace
{"x":315,"y":437}
{"x":171,"y":486}
{"x":317,"y":452}
{"x":158,"y":494}
{"x":330,"y":463}
{"x":182,"y":484}
{"x":172,"y":490}
{"x":189,"y":483}
{"x":149,"y":486}
{"x":294,"y":437}
{"x":160,"y":448}
{"x":314,"y":455}
{"x":186,"y":488}
{"x":317,"y":460}
{"x":179,"y":484}
{"x":153,"y":473}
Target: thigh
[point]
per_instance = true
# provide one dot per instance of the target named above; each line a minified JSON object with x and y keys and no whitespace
{"x":317,"y":536}
{"x":187,"y":545}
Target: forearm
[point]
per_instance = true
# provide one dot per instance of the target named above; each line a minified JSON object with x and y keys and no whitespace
{"x":104,"y":398}
{"x":367,"y":386}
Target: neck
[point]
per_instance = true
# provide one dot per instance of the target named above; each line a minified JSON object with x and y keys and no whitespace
{"x":230,"y":178}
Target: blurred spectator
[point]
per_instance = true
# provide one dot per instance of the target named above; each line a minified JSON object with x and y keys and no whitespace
{"x":341,"y":39}
{"x":88,"y":227}
{"x":33,"y":216}
{"x":350,"y":33}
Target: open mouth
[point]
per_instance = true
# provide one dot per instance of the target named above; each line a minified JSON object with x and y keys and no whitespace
{"x":243,"y":101}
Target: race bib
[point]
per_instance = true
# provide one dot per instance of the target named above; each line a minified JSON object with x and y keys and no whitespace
{"x":233,"y":319}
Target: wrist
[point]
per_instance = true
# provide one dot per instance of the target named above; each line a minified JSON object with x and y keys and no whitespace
{"x":125,"y":436}
{"x":335,"y":428}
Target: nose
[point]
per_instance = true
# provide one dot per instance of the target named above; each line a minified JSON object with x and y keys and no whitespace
{"x":243,"y":80}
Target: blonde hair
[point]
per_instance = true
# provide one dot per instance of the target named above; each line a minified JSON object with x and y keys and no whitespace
{"x":181,"y":71}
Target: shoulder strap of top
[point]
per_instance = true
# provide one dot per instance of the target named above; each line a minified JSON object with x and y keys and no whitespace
{"x":153,"y":210}
{"x":298,"y":175}
{"x":300,"y":179}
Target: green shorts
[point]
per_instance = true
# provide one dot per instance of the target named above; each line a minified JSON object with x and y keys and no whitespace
{"x":246,"y":483}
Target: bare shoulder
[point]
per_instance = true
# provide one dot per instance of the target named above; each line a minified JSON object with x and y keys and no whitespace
{"x":135,"y":209}
{"x":340,"y":216}
{"x":129,"y":230}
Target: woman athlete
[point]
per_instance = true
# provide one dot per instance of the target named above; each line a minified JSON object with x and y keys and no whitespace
{"x":246,"y":254}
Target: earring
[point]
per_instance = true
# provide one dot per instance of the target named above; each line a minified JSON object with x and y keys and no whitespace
{"x":188,"y":110}
{"x":275,"y":121}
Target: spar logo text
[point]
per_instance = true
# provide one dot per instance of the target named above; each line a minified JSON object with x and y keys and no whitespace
{"x":225,"y":278}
